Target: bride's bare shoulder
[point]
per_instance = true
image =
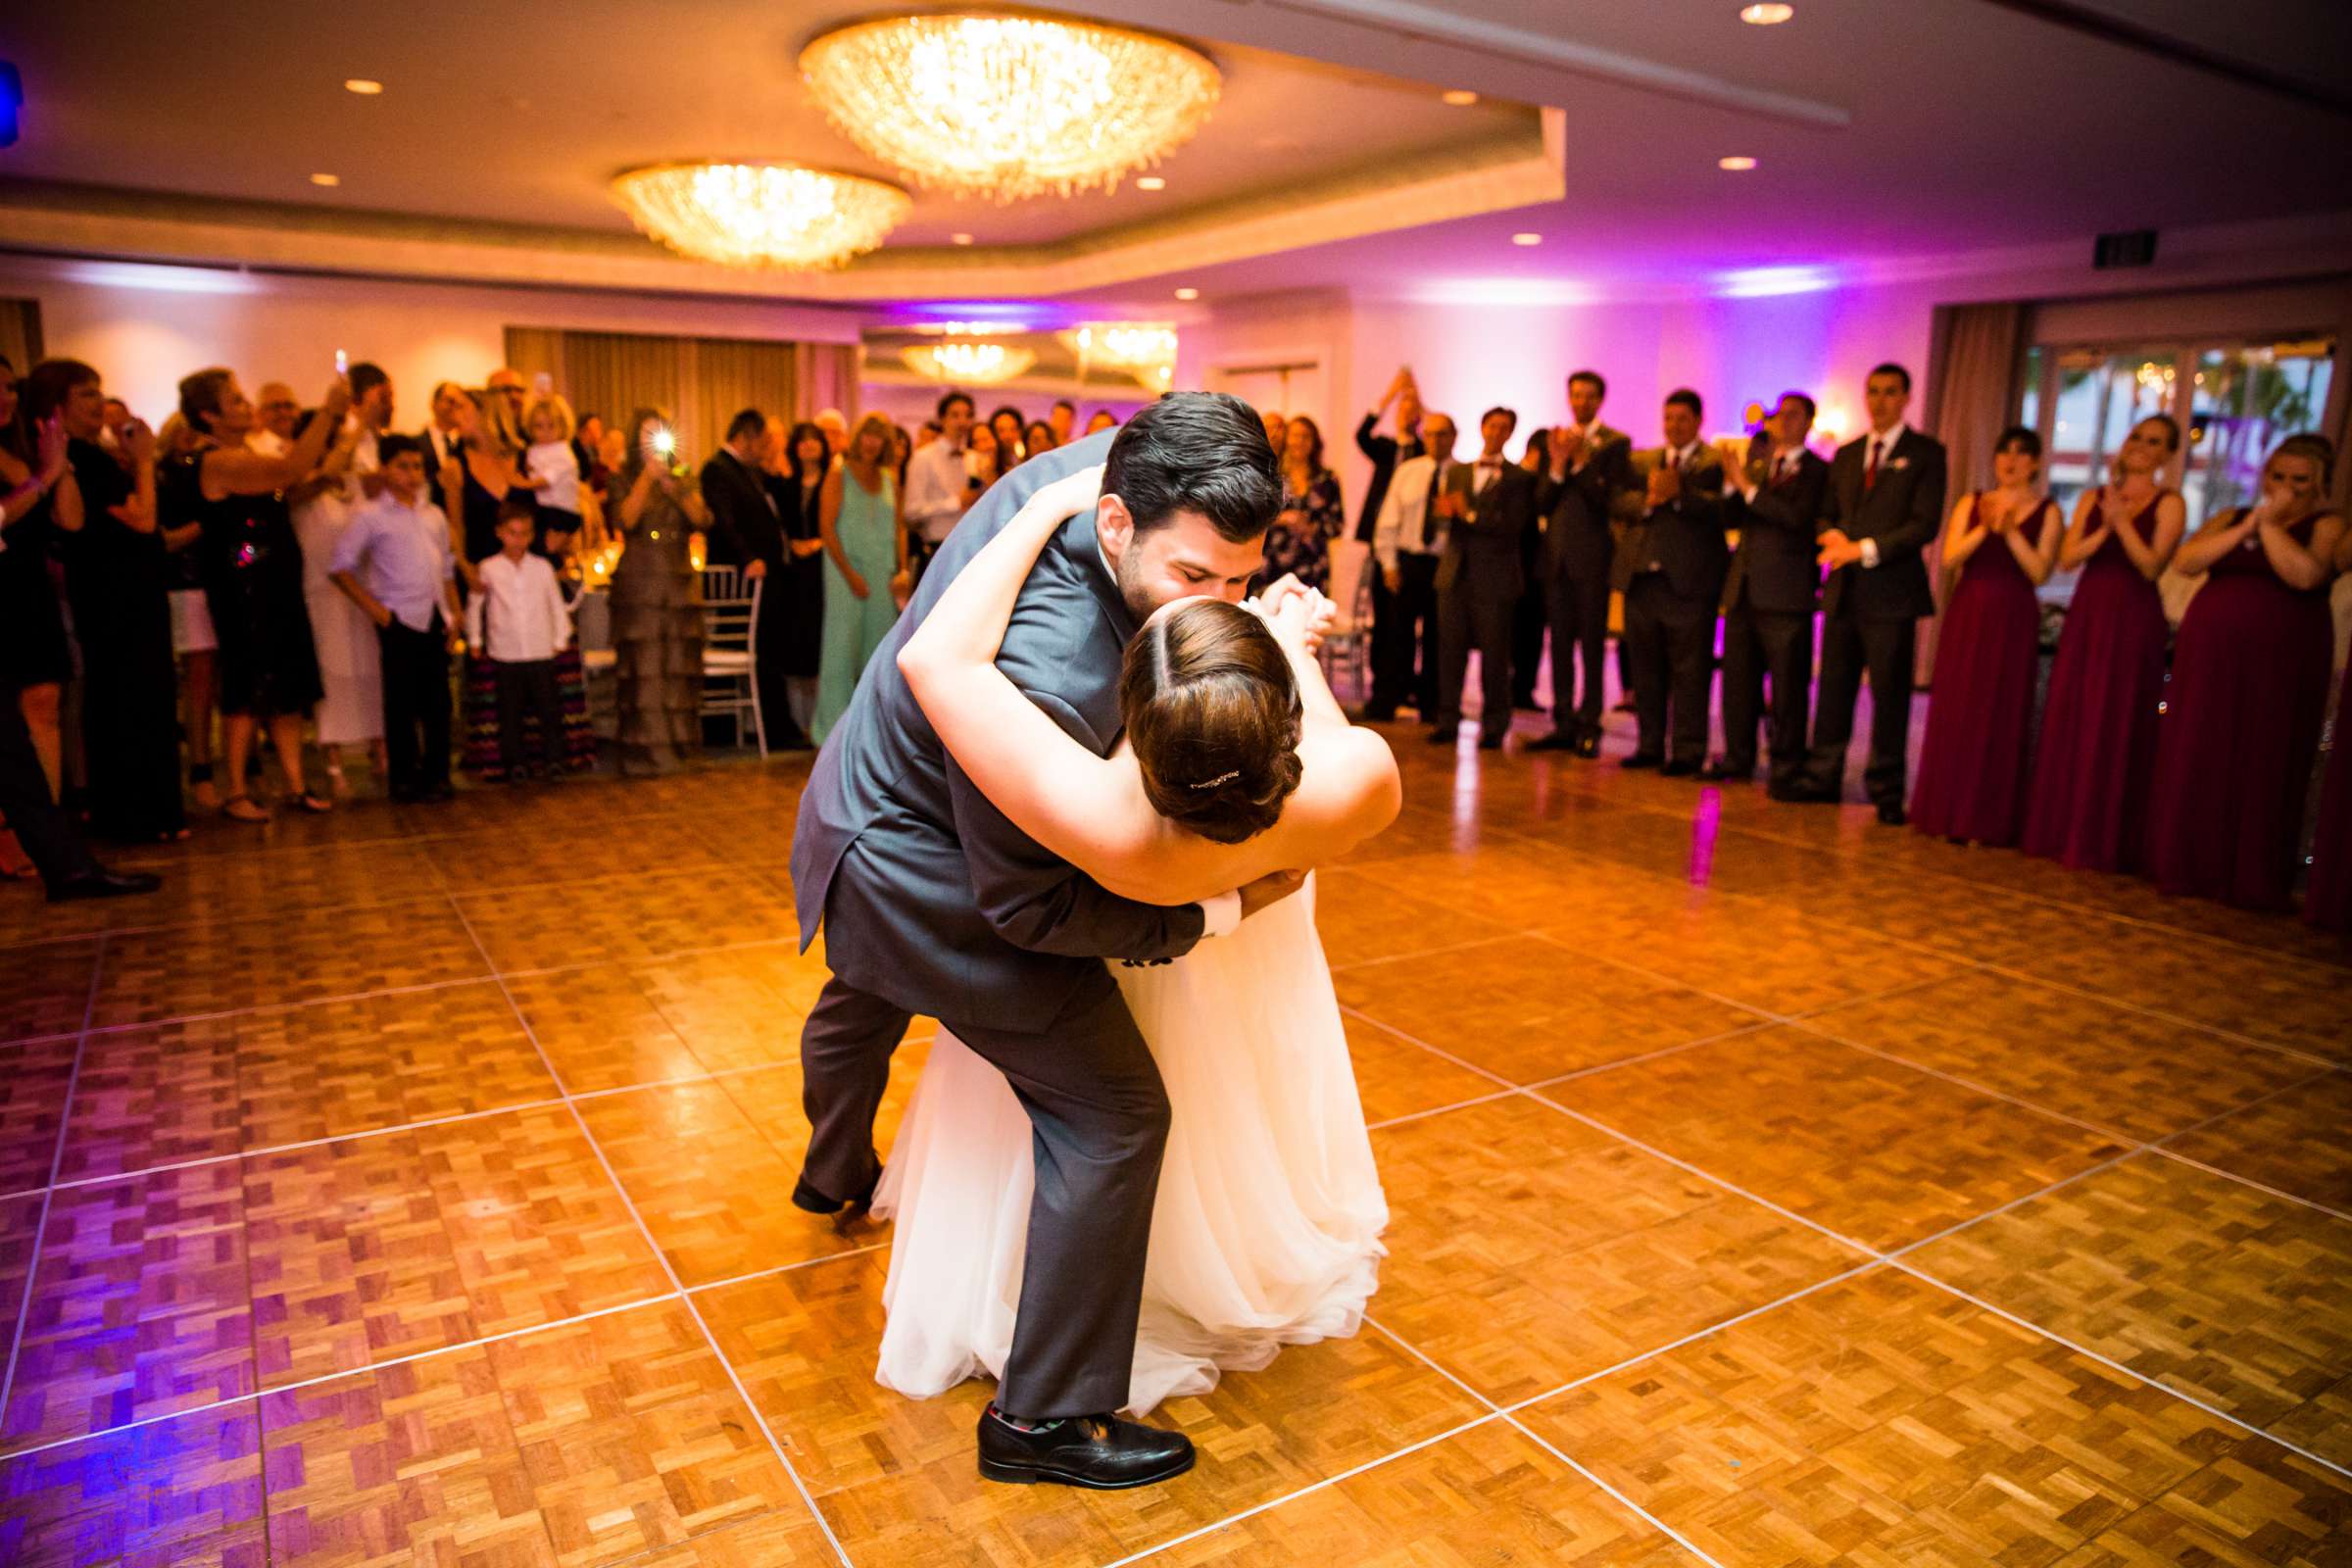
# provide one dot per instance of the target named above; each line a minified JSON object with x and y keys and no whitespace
{"x":1349,"y":787}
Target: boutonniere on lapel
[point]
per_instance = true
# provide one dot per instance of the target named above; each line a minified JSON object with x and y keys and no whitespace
{"x":1898,"y":463}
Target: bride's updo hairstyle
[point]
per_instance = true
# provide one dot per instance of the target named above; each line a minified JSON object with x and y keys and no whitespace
{"x":1213,"y":713}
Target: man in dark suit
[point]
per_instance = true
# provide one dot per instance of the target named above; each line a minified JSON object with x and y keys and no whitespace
{"x":1487,"y":507}
{"x":1671,"y":562}
{"x":932,"y":902}
{"x":1884,"y":506}
{"x":1775,"y":504}
{"x":1394,"y":637}
{"x":1591,"y":464}
{"x":442,"y":443}
{"x":746,"y":531}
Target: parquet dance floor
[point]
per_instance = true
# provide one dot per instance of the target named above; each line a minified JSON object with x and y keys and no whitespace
{"x":409,"y":1186}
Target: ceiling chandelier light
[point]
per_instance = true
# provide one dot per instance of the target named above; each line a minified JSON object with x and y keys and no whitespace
{"x":971,"y":363}
{"x":761,"y":215}
{"x":1145,"y":350}
{"x":1009,"y":107}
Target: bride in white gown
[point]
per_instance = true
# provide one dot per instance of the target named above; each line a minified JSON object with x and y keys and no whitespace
{"x":1267,"y":1227}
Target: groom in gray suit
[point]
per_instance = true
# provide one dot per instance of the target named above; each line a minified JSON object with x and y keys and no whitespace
{"x":933,"y":901}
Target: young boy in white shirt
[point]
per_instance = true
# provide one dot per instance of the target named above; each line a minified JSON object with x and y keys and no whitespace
{"x":394,"y":561}
{"x":520,"y":622}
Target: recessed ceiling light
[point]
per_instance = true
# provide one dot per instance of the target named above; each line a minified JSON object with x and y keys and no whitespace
{"x":1459,"y":98}
{"x":1527,"y":240}
{"x":1736,"y":164}
{"x":1151,"y":182}
{"x":326,"y":180}
{"x":1188,"y":293}
{"x":1769,"y":14}
{"x":960,"y":239}
{"x":363,"y":87}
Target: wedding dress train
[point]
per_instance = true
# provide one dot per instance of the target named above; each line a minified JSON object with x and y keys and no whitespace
{"x":1267,"y":1227}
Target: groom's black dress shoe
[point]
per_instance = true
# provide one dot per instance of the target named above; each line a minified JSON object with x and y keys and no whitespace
{"x":1100,"y":1453}
{"x":843,"y":1213}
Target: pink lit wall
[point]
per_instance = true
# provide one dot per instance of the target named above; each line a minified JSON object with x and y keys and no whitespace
{"x":145,"y":326}
{"x":910,"y":404}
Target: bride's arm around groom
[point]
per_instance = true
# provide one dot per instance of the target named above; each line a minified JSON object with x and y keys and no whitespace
{"x":1095,"y":812}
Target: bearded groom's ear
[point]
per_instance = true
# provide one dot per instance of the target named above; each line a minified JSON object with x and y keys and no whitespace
{"x":1114,"y":525}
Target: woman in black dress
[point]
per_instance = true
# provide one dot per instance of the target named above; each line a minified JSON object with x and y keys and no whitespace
{"x":37,"y":485}
{"x":799,"y":599}
{"x":252,"y":565}
{"x":118,"y":579}
{"x":36,"y":660}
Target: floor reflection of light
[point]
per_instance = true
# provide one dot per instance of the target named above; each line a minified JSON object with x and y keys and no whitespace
{"x":1703,"y":826}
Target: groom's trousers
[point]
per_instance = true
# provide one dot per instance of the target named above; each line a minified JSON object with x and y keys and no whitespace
{"x":1099,"y":1121}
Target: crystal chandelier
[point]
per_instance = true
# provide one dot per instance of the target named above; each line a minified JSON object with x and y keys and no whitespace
{"x":971,"y":363}
{"x":1145,"y":350}
{"x":1009,"y":107}
{"x":761,"y":215}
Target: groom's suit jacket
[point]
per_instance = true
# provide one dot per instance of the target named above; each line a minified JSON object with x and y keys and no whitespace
{"x":928,"y":896}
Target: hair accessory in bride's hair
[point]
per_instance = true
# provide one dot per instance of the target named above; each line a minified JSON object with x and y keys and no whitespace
{"x":1219,"y":782}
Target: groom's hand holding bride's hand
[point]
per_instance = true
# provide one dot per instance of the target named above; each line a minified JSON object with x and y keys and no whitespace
{"x":1295,"y":609}
{"x":1272,"y":888}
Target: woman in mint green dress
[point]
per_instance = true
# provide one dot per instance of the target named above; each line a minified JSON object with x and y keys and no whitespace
{"x":866,"y":567}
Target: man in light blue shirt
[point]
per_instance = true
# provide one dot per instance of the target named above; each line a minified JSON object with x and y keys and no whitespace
{"x":394,"y":563}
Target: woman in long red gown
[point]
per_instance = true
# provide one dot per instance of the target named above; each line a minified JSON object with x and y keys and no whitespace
{"x":2327,"y":900}
{"x":2249,"y":686}
{"x":1973,"y":763}
{"x":2089,"y":804}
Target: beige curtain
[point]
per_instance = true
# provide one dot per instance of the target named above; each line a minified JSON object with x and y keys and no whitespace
{"x":1974,"y":352}
{"x":20,"y":333}
{"x":828,"y":378}
{"x":702,"y":381}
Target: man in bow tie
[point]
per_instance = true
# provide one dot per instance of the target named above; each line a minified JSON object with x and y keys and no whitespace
{"x":1590,"y":466}
{"x":1883,"y":508}
{"x":1486,"y":505}
{"x":1775,"y":504}
{"x":1669,"y":567}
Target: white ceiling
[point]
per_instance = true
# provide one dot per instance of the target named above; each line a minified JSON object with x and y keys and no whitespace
{"x":489,"y":117}
{"x":1903,"y":129}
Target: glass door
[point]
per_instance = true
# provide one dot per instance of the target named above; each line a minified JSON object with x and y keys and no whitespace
{"x":2245,"y":400}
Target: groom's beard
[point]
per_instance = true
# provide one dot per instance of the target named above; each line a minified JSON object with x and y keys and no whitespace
{"x":1133,"y":593}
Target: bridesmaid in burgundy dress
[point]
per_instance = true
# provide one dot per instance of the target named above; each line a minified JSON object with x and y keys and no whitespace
{"x":2250,"y":676}
{"x":2327,"y":900}
{"x":1973,"y":763}
{"x":2088,"y":805}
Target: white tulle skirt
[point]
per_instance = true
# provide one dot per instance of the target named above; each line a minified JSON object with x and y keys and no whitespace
{"x":1267,"y":1227}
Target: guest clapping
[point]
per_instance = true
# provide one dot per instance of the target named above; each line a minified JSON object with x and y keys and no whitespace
{"x":1671,"y":564}
{"x":1768,"y":598}
{"x":2004,"y":541}
{"x":2089,"y":804}
{"x":118,"y":580}
{"x":2249,"y":685}
{"x":1487,"y":505}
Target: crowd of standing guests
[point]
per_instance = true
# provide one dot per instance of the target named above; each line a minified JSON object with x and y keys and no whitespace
{"x":306,"y":576}
{"x":2187,"y":756}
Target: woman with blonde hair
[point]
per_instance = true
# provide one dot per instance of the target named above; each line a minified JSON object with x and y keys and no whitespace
{"x":866,"y":567}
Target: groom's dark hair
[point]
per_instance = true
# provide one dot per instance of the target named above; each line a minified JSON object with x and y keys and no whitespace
{"x":1204,"y":452}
